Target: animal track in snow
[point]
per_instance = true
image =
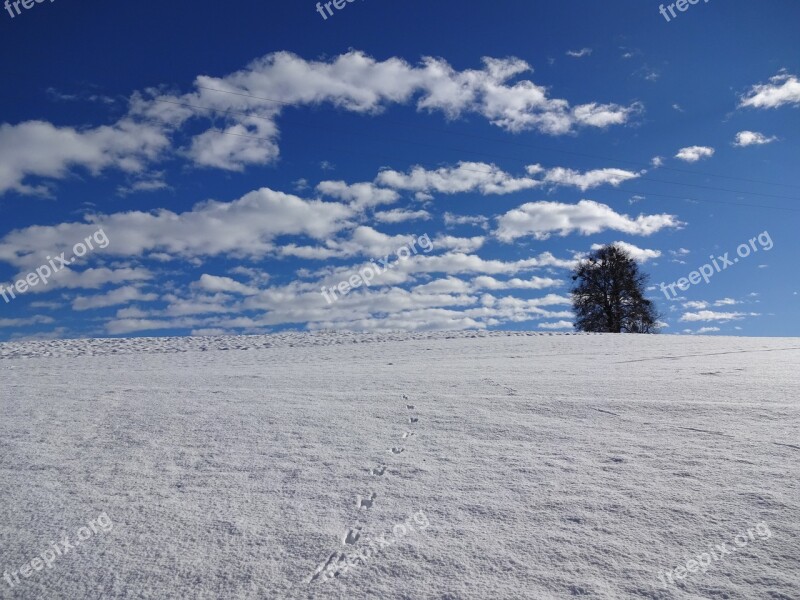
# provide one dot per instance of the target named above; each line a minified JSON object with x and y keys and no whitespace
{"x":367,"y":502}
{"x":352,"y":535}
{"x":509,"y":390}
{"x":410,"y":406}
{"x":328,"y":568}
{"x":378,"y":471}
{"x":408,"y":434}
{"x":413,"y":419}
{"x":398,"y":450}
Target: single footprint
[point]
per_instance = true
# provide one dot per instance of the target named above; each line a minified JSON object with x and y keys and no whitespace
{"x":413,"y":419}
{"x":398,"y":450}
{"x":367,"y":502}
{"x":408,"y":434}
{"x":410,"y":406}
{"x":379,"y":471}
{"x":405,"y":397}
{"x":352,"y":535}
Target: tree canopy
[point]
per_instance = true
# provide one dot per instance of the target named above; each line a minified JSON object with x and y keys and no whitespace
{"x":608,"y":295}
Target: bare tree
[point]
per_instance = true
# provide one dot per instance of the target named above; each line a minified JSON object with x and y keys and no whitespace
{"x":608,"y":295}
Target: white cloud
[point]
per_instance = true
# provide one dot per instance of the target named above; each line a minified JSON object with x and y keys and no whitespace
{"x":694,"y":153}
{"x":579,"y":53}
{"x":534,"y":283}
{"x":752,"y":138}
{"x":695,"y":304}
{"x":726,"y":302}
{"x":399,"y":215}
{"x":94,"y":278}
{"x":557,"y":325}
{"x":542,"y":219}
{"x":40,"y":149}
{"x":252,"y":141}
{"x":214,"y":283}
{"x":708,"y":315}
{"x":451,"y":219}
{"x":23,"y":322}
{"x":248,"y":102}
{"x":150,"y":184}
{"x":123,"y":295}
{"x":641,"y":255}
{"x":459,"y":244}
{"x":703,"y":330}
{"x":782,"y":89}
{"x":358,"y":83}
{"x":358,"y":194}
{"x":680,"y":252}
{"x":589,"y":179}
{"x":466,"y":177}
{"x":442,"y":303}
{"x":490,"y":179}
{"x":244,"y":227}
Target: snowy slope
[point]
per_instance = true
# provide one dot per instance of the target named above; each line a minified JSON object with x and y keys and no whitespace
{"x":524,"y":466}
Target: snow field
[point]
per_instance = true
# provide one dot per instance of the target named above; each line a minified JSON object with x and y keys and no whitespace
{"x":542,"y":466}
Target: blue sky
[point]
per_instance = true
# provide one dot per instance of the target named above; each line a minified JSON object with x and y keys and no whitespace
{"x":237,"y":158}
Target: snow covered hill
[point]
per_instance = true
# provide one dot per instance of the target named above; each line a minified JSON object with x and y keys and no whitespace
{"x":401,"y":466}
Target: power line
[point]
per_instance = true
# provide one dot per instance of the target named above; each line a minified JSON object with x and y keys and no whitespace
{"x":460,"y":150}
{"x":612,"y":188}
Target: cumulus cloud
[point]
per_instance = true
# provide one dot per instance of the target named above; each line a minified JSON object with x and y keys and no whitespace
{"x":40,"y":149}
{"x":709,"y":315}
{"x":726,"y":302}
{"x":123,"y":295}
{"x":459,"y":244}
{"x":589,"y":179}
{"x":693,"y":154}
{"x":752,"y":138}
{"x":252,"y":141}
{"x":782,"y":89}
{"x":542,"y":219}
{"x":466,"y":177}
{"x":360,"y":195}
{"x":695,"y":304}
{"x":641,"y":255}
{"x":450,"y":220}
{"x":534,"y":283}
{"x":489,"y":179}
{"x":249,"y":102}
{"x":556,"y":325}
{"x":399,"y":215}
{"x":215,"y":283}
{"x":23,"y":322}
{"x":91,"y":279}
{"x":244,"y":227}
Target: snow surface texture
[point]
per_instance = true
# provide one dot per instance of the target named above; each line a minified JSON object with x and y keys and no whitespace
{"x":545,"y":466}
